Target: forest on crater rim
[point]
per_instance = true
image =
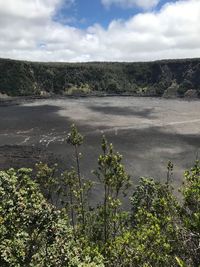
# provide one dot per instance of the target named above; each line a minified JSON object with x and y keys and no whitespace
{"x":168,"y":78}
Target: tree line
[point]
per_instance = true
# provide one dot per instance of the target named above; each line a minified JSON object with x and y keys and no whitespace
{"x":22,"y":78}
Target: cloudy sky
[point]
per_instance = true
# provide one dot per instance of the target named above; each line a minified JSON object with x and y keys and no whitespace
{"x":99,"y":30}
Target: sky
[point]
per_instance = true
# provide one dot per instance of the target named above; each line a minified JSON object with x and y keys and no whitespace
{"x":99,"y":30}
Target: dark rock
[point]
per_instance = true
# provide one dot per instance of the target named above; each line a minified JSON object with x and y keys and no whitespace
{"x":14,"y":156}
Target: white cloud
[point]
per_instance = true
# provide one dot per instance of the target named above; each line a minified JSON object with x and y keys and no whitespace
{"x":27,"y":31}
{"x":146,"y":4}
{"x":28,"y":8}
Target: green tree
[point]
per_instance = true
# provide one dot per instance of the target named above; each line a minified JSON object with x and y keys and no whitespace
{"x":115,"y":180}
{"x":48,"y":180}
{"x":156,"y":224}
{"x":78,"y":188}
{"x":33,"y":232}
{"x":75,"y":139}
{"x":191,"y":213}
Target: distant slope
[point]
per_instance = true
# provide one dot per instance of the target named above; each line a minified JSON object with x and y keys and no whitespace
{"x":168,"y":77}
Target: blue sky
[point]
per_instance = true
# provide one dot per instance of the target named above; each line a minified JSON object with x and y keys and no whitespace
{"x":99,"y":30}
{"x":84,"y":13}
{"x":89,"y":12}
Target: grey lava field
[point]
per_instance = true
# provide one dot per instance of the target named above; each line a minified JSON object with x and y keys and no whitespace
{"x":146,"y":131}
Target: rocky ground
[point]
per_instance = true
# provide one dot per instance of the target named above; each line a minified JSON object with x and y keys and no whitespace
{"x":147,"y":131}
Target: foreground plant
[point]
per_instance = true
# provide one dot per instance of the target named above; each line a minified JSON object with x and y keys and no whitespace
{"x":76,"y":188}
{"x":46,"y":218}
{"x":191,"y":213}
{"x":32,"y":231}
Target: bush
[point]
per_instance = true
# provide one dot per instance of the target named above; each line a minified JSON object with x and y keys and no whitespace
{"x":158,"y":231}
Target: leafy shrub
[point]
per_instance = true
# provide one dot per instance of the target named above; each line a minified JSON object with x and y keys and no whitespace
{"x":157,"y":231}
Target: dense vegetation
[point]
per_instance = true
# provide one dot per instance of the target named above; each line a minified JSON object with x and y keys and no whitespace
{"x":171,"y":78}
{"x":46,"y":219}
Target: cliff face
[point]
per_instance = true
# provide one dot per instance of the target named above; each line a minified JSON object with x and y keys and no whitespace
{"x":157,"y":78}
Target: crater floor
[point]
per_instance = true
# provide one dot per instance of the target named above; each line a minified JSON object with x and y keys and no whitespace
{"x":147,"y":131}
